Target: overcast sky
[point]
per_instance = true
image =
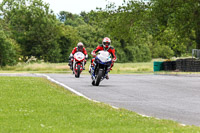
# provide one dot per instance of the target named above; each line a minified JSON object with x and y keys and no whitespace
{"x":76,"y":6}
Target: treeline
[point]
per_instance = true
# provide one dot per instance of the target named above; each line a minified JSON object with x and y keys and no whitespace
{"x":139,"y":31}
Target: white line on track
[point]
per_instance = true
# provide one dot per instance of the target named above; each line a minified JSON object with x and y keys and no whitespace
{"x":70,"y":89}
{"x":80,"y":94}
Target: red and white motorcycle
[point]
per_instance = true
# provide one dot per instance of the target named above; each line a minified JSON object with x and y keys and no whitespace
{"x":78,"y":63}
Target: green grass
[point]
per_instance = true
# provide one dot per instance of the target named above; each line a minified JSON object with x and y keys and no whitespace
{"x":37,"y":68}
{"x":130,"y":68}
{"x":119,"y":68}
{"x":33,"y":105}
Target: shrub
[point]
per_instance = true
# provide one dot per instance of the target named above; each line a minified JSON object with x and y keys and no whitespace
{"x":8,"y":48}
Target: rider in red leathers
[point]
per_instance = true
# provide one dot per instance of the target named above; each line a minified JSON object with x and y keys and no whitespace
{"x":79,"y":48}
{"x":105,"y":46}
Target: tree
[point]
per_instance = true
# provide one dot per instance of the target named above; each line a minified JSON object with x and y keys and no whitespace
{"x":85,"y":17}
{"x":128,"y":25}
{"x":181,"y":16}
{"x":8,"y":50}
{"x":71,"y":19}
{"x":34,"y":27}
{"x":91,"y":36}
{"x":68,"y":39}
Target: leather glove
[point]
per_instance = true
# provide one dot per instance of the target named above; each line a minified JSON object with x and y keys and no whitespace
{"x":93,"y":54}
{"x":113,"y":60}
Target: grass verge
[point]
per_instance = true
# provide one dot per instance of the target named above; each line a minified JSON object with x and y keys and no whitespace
{"x":32,"y":104}
{"x":119,"y":68}
{"x":37,"y":68}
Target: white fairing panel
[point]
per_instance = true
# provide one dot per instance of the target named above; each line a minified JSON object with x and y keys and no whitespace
{"x":104,"y":56}
{"x":79,"y":56}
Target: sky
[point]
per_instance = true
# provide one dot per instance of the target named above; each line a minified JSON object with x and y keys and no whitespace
{"x":76,"y":6}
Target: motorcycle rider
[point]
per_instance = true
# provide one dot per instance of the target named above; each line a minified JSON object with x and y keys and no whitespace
{"x":79,"y":48}
{"x":106,"y":47}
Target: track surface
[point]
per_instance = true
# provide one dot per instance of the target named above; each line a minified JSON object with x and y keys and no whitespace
{"x":167,"y":97}
{"x":162,"y":96}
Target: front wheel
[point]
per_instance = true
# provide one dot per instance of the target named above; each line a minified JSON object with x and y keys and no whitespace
{"x":99,"y":77}
{"x":77,"y":75}
{"x":93,"y":82}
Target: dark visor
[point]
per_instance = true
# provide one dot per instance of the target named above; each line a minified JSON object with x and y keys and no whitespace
{"x":106,"y":43}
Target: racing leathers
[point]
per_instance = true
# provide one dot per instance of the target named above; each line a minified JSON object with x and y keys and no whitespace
{"x":71,"y":57}
{"x":111,"y":50}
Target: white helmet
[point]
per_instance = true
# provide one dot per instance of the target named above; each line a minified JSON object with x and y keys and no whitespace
{"x":106,"y":42}
{"x":80,"y":45}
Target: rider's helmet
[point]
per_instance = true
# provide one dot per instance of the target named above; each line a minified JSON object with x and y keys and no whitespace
{"x":106,"y":42}
{"x":80,"y":46}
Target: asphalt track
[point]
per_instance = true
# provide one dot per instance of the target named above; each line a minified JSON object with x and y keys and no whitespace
{"x":162,"y":96}
{"x":173,"y":97}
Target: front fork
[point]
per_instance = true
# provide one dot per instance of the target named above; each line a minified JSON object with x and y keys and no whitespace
{"x":74,"y":63}
{"x":93,"y":71}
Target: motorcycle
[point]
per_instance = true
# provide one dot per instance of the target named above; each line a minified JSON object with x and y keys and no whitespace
{"x":78,"y":63}
{"x":101,"y":67}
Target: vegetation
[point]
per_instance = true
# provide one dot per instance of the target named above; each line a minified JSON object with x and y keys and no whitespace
{"x":8,"y":47}
{"x":139,"y":30}
{"x":119,"y":68}
{"x":46,"y":107}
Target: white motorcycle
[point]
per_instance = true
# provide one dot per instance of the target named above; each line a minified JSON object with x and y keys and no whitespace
{"x":101,"y":67}
{"x":78,"y":63}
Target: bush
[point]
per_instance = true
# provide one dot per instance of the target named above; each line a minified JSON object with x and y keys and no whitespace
{"x":162,"y":51}
{"x":8,"y":48}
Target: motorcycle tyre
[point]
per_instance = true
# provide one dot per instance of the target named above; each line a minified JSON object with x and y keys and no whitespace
{"x":99,"y":76}
{"x":93,"y":82}
{"x":77,"y":75}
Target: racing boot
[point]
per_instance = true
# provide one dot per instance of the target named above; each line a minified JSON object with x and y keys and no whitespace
{"x":89,"y":69}
{"x":84,"y":64}
{"x":70,"y":64}
{"x":71,"y":67}
{"x":107,"y":77}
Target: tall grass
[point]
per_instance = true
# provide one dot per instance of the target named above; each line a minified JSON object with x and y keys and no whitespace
{"x":35,"y":105}
{"x":37,"y":67}
{"x":64,"y":68}
{"x":119,"y":68}
{"x":145,"y":67}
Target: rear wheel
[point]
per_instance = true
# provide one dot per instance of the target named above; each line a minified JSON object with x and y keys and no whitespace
{"x":99,"y":77}
{"x":77,"y":75}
